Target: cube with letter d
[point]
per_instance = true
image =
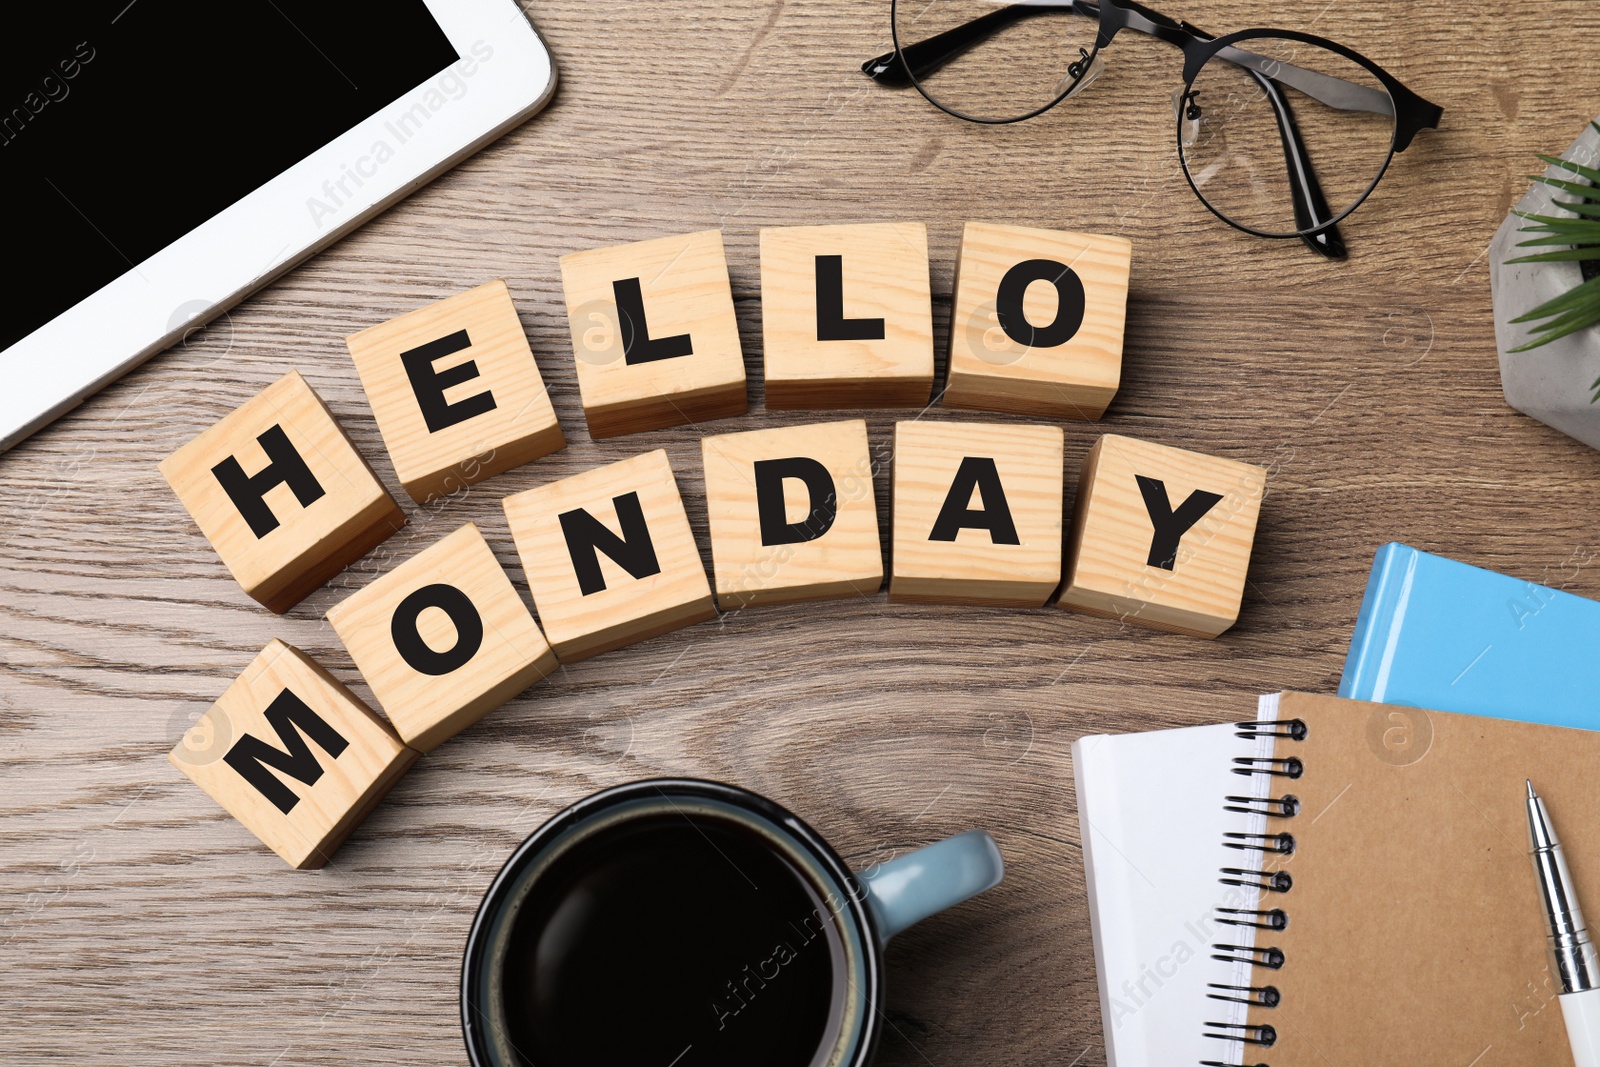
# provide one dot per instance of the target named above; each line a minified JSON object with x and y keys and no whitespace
{"x":293,"y":755}
{"x":609,"y":556}
{"x":792,"y":514}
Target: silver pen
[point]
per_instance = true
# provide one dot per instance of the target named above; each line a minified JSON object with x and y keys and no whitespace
{"x":1573,"y":960}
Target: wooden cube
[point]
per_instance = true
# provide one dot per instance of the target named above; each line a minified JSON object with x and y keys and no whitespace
{"x":847,"y":316}
{"x":456,"y":393}
{"x":977,"y":513}
{"x":793,"y":516}
{"x":293,"y":755}
{"x":443,"y":639}
{"x":1037,"y":322}
{"x":282,"y":494}
{"x":1162,"y":537}
{"x":654,"y":333}
{"x":609,"y":556}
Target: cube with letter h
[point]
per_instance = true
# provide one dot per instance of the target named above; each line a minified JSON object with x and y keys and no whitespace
{"x":293,"y":755}
{"x":456,"y":393}
{"x":792,"y":514}
{"x":654,"y":334}
{"x":609,"y":556}
{"x":1162,"y":536}
{"x":1037,"y":322}
{"x":977,"y":513}
{"x":282,"y":494}
{"x":847,"y":316}
{"x":443,"y":639}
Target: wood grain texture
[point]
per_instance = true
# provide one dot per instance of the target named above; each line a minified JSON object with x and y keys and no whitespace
{"x":142,"y":925}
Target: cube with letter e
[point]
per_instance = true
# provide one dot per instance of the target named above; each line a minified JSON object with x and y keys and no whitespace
{"x":293,"y":755}
{"x":456,"y":393}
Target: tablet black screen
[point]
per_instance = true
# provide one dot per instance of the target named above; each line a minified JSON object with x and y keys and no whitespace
{"x":125,"y":125}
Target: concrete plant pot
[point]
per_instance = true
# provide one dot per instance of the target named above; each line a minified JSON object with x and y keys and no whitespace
{"x":1552,"y":383}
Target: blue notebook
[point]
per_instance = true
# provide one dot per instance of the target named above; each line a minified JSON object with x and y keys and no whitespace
{"x":1434,"y":633}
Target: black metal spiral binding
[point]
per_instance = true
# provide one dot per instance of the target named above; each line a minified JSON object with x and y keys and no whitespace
{"x":1282,"y":768}
{"x":1293,"y":729}
{"x":1264,"y":881}
{"x":1284,"y":807}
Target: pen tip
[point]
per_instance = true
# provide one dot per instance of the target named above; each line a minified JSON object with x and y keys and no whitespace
{"x":1531,"y":793}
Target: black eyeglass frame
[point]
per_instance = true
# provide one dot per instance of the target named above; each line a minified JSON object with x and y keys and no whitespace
{"x":1317,"y":223}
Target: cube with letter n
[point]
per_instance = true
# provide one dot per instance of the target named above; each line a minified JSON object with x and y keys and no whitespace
{"x":282,"y":494}
{"x":609,"y":556}
{"x":977,"y":513}
{"x":293,"y":755}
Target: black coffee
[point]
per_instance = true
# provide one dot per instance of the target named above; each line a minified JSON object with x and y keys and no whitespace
{"x":672,"y":940}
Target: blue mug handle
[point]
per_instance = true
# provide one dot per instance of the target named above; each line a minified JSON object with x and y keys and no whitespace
{"x":908,"y":889}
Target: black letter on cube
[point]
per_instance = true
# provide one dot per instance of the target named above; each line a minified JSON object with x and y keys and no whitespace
{"x":994,"y":516}
{"x":248,"y":491}
{"x":463,"y":615}
{"x":822,"y":506}
{"x":289,"y":717}
{"x":428,"y":385}
{"x":1069,"y":303}
{"x":587,"y":536}
{"x":1170,"y":525}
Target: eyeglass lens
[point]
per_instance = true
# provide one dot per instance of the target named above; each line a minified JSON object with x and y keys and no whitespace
{"x":1248,"y":98}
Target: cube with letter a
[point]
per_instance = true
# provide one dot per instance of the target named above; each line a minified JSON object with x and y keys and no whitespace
{"x":456,"y":393}
{"x":654,"y":334}
{"x":1037,"y":322}
{"x":609,"y":556}
{"x":293,"y":755}
{"x":282,"y":494}
{"x":1162,"y":536}
{"x":977,"y":513}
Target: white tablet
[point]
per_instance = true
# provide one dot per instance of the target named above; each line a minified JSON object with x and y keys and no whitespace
{"x":161,"y":159}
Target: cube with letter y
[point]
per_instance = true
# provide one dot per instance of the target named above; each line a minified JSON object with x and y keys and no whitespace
{"x":293,"y":755}
{"x":977,"y":513}
{"x":1037,"y":322}
{"x":609,"y":556}
{"x":654,"y":334}
{"x":443,"y":639}
{"x":847,"y":315}
{"x":456,"y":393}
{"x":282,"y":494}
{"x":792,"y":514}
{"x":1162,"y":536}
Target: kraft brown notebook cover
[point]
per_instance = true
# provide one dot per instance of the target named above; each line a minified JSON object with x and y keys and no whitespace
{"x":1414,"y":931}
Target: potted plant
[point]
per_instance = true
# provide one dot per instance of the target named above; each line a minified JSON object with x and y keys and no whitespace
{"x":1544,"y":272}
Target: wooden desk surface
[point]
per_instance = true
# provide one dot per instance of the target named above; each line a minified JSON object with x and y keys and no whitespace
{"x":140,"y":925}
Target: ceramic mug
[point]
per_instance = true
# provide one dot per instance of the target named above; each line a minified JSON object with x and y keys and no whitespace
{"x":693,"y":924}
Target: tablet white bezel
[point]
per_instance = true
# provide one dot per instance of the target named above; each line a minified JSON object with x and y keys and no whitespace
{"x":503,"y":76}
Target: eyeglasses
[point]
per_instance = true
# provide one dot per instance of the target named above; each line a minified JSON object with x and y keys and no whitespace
{"x":1246,"y":150}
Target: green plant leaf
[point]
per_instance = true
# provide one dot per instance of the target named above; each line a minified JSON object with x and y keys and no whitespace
{"x":1560,"y":239}
{"x":1566,"y":255}
{"x":1571,"y":328}
{"x":1586,"y":208}
{"x":1567,"y":164}
{"x":1557,"y":222}
{"x":1584,"y":295}
{"x":1575,"y":188}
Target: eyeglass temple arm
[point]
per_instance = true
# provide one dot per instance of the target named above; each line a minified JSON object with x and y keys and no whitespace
{"x":924,"y":57}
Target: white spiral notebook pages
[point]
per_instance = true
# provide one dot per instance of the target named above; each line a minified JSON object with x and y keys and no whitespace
{"x":1153,"y":819}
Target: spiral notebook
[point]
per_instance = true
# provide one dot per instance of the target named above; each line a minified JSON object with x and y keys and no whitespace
{"x":1337,"y":882}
